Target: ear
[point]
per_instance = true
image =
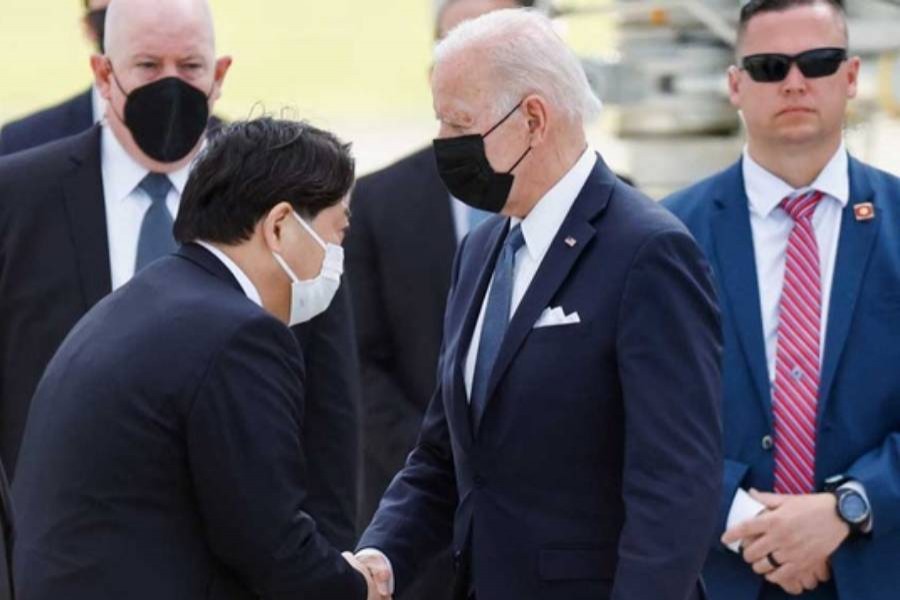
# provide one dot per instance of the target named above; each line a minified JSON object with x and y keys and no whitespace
{"x":734,"y":86}
{"x":222,"y":66}
{"x":100,"y":65}
{"x":853,"y":64}
{"x":273,"y":225}
{"x":536,"y":112}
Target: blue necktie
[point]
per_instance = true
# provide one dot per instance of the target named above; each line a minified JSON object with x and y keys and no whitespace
{"x":475,"y":216}
{"x":156,"y":237}
{"x":496,"y":320}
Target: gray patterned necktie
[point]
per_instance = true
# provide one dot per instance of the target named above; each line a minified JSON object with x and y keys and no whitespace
{"x":156,"y":237}
{"x":496,"y":320}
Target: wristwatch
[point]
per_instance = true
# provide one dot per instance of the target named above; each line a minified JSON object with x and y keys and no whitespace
{"x":852,"y":507}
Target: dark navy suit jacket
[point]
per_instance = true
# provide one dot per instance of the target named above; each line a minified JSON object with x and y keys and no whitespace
{"x":859,"y":398}
{"x":164,"y":453}
{"x":592,"y":473}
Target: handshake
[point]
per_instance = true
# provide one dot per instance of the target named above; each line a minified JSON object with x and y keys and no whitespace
{"x":377,"y":571}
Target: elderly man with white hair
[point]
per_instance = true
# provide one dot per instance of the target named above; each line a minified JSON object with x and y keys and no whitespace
{"x":572,"y":448}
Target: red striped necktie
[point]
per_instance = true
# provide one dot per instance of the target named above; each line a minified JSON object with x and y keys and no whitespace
{"x":796,"y":393}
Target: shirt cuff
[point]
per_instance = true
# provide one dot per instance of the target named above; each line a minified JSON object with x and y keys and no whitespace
{"x":861,"y":490}
{"x":743,"y":508}
{"x":375,"y":552}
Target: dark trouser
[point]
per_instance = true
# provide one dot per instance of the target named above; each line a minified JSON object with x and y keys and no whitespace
{"x":825,"y":591}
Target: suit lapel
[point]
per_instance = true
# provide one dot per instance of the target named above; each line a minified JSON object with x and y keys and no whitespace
{"x":857,"y":238}
{"x":738,"y":278}
{"x":555,"y":267}
{"x":86,"y":214}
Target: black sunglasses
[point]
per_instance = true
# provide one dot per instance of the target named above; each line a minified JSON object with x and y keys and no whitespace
{"x":819,"y":62}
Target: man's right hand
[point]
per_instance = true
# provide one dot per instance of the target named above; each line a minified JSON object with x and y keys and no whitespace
{"x":374,"y":589}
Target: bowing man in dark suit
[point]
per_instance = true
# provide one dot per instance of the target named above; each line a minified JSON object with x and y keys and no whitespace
{"x":571,"y":446}
{"x":164,"y":454}
{"x":111,"y":193}
{"x":66,"y":118}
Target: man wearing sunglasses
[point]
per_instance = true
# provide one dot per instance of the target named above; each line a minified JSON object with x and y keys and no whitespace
{"x":805,"y":243}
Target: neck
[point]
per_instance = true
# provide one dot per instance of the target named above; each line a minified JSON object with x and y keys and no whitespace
{"x":270,"y":281}
{"x":554,"y":164}
{"x":798,"y":165}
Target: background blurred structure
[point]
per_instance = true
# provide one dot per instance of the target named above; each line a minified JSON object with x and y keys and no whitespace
{"x":361,"y":68}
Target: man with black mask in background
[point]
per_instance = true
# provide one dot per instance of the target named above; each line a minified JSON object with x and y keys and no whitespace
{"x":80,"y":216}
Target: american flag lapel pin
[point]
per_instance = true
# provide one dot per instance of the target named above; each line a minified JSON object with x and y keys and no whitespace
{"x":864,"y":211}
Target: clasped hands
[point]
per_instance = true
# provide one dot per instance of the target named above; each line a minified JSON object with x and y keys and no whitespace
{"x":377,"y":573}
{"x":791,"y":541}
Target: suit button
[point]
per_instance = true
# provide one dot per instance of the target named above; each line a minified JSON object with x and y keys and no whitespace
{"x":478,"y":480}
{"x":767,"y":442}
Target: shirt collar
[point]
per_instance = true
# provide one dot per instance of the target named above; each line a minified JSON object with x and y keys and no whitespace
{"x":122,"y":174}
{"x":246,"y":285}
{"x":765,"y":191}
{"x":540,"y":226}
{"x":98,"y":104}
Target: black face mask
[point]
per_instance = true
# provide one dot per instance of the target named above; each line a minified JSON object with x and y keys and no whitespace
{"x":97,"y":22}
{"x":166,"y":118}
{"x":467,"y":174}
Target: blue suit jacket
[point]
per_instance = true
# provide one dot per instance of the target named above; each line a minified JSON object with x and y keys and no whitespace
{"x":163,"y":456}
{"x":859,"y":403}
{"x":592,"y":472}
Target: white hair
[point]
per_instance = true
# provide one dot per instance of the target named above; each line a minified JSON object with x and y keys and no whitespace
{"x":525,"y":56}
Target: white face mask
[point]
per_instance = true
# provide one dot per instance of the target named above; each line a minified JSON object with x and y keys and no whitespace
{"x":311,"y":297}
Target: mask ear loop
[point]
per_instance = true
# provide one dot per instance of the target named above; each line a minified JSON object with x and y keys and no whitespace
{"x":521,"y":158}
{"x":121,"y":89}
{"x":290,"y":272}
{"x":503,"y":120}
{"x":311,"y":231}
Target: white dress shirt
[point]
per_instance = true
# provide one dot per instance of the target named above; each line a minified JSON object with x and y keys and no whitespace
{"x":538,"y":228}
{"x":771,"y":228}
{"x":98,"y":104}
{"x":246,"y":285}
{"x":126,"y":204}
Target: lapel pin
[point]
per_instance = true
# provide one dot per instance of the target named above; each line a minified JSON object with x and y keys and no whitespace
{"x":864,"y":211}
{"x":570,"y":241}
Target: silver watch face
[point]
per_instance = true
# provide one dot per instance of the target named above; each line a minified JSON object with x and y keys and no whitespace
{"x":853,"y":508}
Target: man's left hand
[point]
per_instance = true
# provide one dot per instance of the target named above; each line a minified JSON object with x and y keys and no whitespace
{"x":798,"y":532}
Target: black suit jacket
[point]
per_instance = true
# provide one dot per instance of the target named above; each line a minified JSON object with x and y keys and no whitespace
{"x":399,"y":256}
{"x":164,"y":457}
{"x":62,"y":120}
{"x":54,"y":266}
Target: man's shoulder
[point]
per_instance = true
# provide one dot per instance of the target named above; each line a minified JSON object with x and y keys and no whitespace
{"x":698,"y":197}
{"x":48,"y":124}
{"x":49,"y":158}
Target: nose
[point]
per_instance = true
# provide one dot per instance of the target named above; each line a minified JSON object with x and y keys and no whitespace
{"x":795,"y":82}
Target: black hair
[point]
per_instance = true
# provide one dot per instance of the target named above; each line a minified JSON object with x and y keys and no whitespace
{"x":250,"y":166}
{"x":755,"y":7}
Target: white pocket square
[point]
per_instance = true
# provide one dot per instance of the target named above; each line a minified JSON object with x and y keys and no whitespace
{"x":552,"y":317}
